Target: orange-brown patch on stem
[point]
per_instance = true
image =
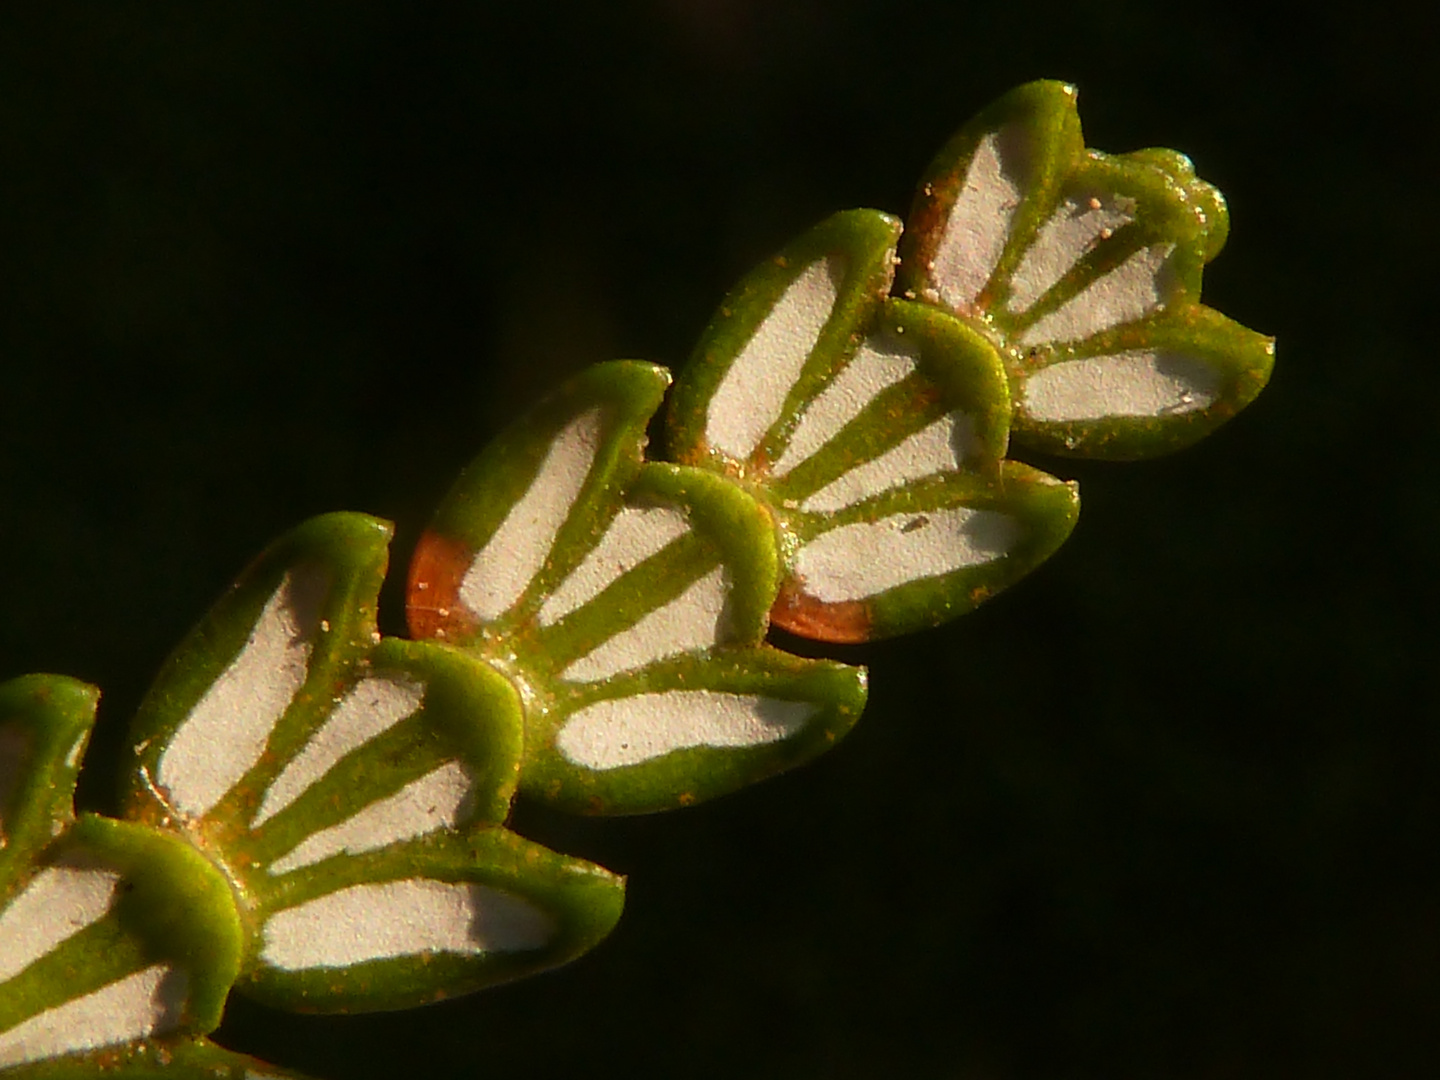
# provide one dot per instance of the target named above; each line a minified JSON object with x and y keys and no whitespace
{"x":844,"y":623}
{"x":929,"y":214}
{"x":432,"y":603}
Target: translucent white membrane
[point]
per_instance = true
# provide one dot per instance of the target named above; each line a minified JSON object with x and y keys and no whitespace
{"x":1129,"y":292}
{"x":979,"y":224}
{"x":225,"y":733}
{"x":150,"y":1002}
{"x":59,"y":902}
{"x":1138,"y":383}
{"x":634,"y":535}
{"x":510,"y":558}
{"x":938,"y":447}
{"x":373,"y":707}
{"x":752,"y":392}
{"x":422,"y":806}
{"x":1059,"y":244}
{"x":691,"y":621}
{"x":402,"y":918}
{"x":626,"y":731}
{"x":858,"y":383}
{"x":854,"y":562}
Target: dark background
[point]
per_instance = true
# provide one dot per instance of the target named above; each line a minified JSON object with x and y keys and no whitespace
{"x":1166,"y":809}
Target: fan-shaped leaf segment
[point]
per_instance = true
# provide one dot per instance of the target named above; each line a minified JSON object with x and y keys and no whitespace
{"x":1085,"y":270}
{"x":634,"y":613}
{"x":118,"y":942}
{"x":353,"y":791}
{"x":879,"y":451}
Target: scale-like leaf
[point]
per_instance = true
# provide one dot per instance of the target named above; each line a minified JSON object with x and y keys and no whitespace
{"x":542,"y":491}
{"x":1140,"y":390}
{"x":880,"y":462}
{"x":1086,"y":268}
{"x":920,"y":553}
{"x":688,"y":728}
{"x":351,"y":786}
{"x":118,"y":933}
{"x":639,"y":618}
{"x":779,"y":337}
{"x":110,"y":933}
{"x":426,"y":919}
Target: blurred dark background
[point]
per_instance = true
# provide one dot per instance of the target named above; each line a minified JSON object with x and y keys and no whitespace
{"x":1166,"y":809}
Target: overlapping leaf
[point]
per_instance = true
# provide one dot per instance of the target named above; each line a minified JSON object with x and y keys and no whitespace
{"x":115,"y":939}
{"x":630,"y":600}
{"x":1086,"y":268}
{"x":353,"y":790}
{"x":874,"y":430}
